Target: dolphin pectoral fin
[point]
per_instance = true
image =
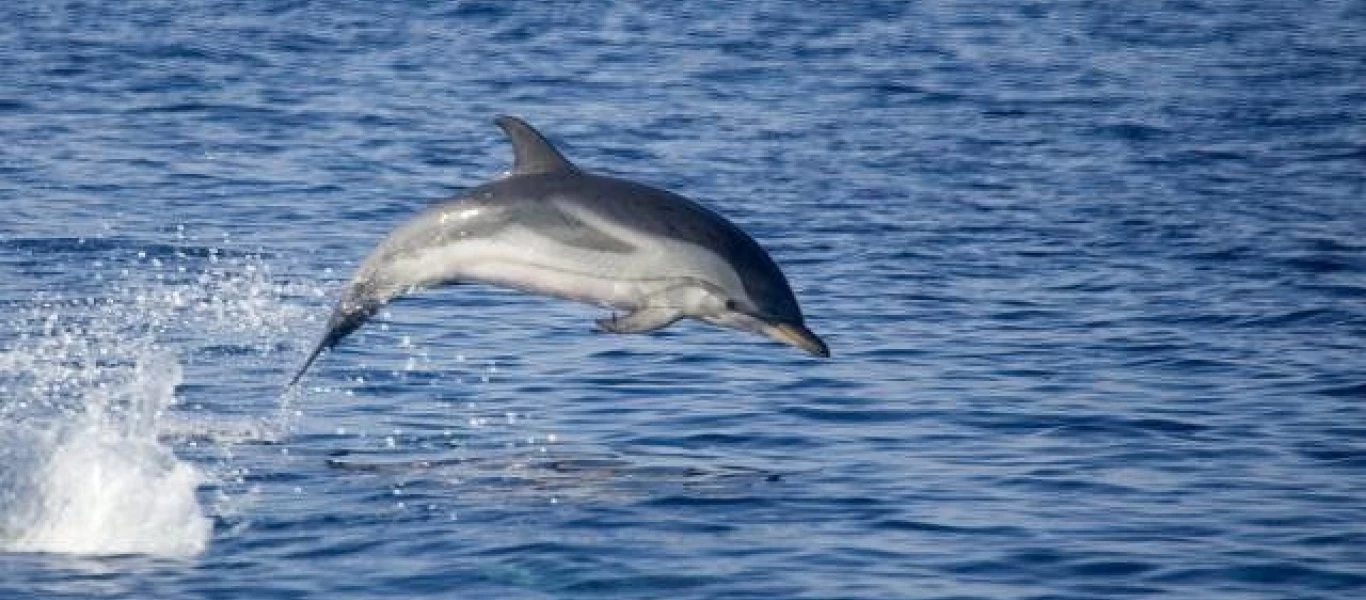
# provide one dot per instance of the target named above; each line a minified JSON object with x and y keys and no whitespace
{"x":643,"y":320}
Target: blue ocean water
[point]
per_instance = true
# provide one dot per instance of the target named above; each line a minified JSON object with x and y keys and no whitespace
{"x":1093,"y":275}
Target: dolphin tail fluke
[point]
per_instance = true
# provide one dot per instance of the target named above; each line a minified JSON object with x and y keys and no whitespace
{"x":308,"y":362}
{"x":345,"y":319}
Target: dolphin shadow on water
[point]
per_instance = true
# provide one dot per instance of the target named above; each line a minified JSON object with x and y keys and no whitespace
{"x":548,"y":228}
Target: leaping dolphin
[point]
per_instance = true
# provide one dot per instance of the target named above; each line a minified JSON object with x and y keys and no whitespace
{"x":546,"y":227}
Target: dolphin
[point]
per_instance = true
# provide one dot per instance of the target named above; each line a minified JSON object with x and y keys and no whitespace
{"x":546,"y":227}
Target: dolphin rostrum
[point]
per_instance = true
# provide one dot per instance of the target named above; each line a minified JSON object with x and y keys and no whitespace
{"x":546,"y":227}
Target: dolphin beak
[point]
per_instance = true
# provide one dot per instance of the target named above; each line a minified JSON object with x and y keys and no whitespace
{"x":798,"y":336}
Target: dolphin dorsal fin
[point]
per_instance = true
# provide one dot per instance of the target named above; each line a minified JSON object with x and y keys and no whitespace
{"x":531,"y":152}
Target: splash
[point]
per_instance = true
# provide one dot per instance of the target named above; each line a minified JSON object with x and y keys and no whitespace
{"x":101,"y":483}
{"x":88,"y":404}
{"x":83,"y":470}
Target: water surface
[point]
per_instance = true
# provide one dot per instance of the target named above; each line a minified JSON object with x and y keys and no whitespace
{"x":1093,"y":278}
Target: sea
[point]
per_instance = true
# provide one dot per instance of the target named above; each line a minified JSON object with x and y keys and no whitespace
{"x":1093,"y":275}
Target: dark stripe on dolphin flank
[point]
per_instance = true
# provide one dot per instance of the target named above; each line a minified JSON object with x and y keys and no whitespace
{"x":644,"y":208}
